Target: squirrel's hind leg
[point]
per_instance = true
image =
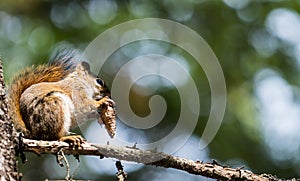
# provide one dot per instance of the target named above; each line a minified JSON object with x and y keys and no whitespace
{"x":66,"y":106}
{"x":47,"y":116}
{"x":73,"y":140}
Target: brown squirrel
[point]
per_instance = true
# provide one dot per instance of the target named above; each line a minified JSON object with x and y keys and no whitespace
{"x":48,"y":100}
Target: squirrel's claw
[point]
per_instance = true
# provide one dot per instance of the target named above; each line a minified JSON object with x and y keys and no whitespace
{"x":73,"y":140}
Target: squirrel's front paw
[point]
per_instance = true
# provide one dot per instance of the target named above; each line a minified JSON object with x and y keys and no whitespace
{"x":104,"y":102}
{"x":73,"y":140}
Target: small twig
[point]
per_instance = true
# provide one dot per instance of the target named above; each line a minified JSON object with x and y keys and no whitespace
{"x":121,"y":175}
{"x":19,"y":149}
{"x":75,"y":172}
{"x":61,"y":156}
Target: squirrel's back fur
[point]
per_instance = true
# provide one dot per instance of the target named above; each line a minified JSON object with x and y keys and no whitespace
{"x":62,"y":65}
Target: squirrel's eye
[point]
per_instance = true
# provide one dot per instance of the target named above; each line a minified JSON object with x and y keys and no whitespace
{"x":100,"y":82}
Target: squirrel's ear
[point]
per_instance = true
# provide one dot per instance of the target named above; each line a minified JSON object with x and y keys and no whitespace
{"x":83,"y":66}
{"x":86,"y":65}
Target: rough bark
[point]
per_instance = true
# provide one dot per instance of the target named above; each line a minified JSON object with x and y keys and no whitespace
{"x":8,"y":164}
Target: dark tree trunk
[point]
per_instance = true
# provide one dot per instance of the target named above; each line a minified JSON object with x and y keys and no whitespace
{"x":8,"y":164}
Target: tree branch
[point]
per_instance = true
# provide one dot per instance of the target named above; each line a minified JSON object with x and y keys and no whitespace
{"x":147,"y":157}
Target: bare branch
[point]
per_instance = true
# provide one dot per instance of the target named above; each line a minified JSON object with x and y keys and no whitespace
{"x":211,"y":170}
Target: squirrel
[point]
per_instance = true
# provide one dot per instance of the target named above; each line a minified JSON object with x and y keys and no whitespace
{"x":46,"y":101}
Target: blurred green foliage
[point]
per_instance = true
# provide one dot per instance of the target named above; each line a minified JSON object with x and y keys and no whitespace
{"x":237,"y":31}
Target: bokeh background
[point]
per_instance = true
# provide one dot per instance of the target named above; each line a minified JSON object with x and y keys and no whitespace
{"x":257,"y":44}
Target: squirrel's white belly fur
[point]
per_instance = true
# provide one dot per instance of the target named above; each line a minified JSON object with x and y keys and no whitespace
{"x":68,"y":106}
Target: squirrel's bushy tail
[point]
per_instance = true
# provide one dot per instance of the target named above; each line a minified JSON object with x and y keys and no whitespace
{"x":62,"y":64}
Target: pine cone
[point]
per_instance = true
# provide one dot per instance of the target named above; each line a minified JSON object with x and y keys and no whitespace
{"x":108,"y":117}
